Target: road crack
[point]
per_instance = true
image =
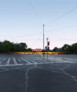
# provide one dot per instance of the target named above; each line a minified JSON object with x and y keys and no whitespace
{"x":64,"y":72}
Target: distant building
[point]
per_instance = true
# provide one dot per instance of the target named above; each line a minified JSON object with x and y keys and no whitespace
{"x":37,"y":50}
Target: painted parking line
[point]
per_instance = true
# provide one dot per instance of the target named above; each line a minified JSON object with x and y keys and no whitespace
{"x":4,"y":59}
{"x":19,"y":60}
{"x":26,"y":60}
{"x":11,"y":65}
{"x":8,"y":61}
{"x":60,"y":60}
{"x":40,"y":63}
{"x":66,"y":60}
{"x":0,"y":58}
{"x":31,"y":60}
{"x":38,"y":60}
{"x":15,"y":62}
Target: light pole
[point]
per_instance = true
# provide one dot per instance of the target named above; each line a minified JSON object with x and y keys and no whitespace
{"x":43,"y":40}
{"x":47,"y":48}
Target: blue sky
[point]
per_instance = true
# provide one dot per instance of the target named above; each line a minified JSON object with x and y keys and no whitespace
{"x":22,"y":20}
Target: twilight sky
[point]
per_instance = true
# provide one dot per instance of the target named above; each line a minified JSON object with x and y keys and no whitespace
{"x":22,"y":20}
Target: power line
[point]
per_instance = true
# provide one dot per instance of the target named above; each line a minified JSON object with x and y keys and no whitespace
{"x":62,"y":28}
{"x":35,"y":13}
{"x":33,"y":8}
{"x":12,"y":38}
{"x":66,"y":13}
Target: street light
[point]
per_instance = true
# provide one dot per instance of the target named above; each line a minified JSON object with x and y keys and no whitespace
{"x":43,"y":40}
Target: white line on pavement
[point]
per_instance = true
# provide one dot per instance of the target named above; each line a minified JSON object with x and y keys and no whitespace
{"x":14,"y":61}
{"x":11,"y":65}
{"x":26,"y":60}
{"x":0,"y":58}
{"x":4,"y":59}
{"x":33,"y":61}
{"x":19,"y":60}
{"x":8,"y":61}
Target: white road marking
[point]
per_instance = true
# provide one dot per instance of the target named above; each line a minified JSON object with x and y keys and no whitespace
{"x":66,"y":60}
{"x":26,"y":60}
{"x":37,"y":60}
{"x":8,"y":61}
{"x":39,"y":63}
{"x":0,"y":58}
{"x":60,"y":60}
{"x":32,"y":61}
{"x":19,"y":60}
{"x":14,"y":61}
{"x":11,"y":65}
{"x":4,"y":59}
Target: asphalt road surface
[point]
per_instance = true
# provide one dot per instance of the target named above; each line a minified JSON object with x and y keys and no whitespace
{"x":32,"y":73}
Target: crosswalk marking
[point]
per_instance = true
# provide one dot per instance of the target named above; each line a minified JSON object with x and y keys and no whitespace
{"x":26,"y":60}
{"x":14,"y":61}
{"x":4,"y":59}
{"x":12,"y":65}
{"x":0,"y":58}
{"x":8,"y":61}
{"x":30,"y":60}
{"x":19,"y":60}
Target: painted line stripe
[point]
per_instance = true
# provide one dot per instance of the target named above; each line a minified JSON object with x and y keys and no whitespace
{"x":33,"y":61}
{"x":19,"y":60}
{"x":26,"y":60}
{"x":25,"y":64}
{"x":12,"y":65}
{"x":14,"y":61}
{"x":4,"y":59}
{"x":8,"y":61}
{"x":38,"y":63}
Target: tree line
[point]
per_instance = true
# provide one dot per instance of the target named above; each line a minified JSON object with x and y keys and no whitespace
{"x":69,"y":49}
{"x":7,"y":46}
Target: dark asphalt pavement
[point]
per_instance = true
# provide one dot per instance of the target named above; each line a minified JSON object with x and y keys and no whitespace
{"x":32,"y":73}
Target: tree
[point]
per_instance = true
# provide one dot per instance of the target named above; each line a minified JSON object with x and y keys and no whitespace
{"x":7,"y":46}
{"x":55,"y":49}
{"x":23,"y":46}
{"x":29,"y":49}
{"x":64,"y":48}
{"x":74,"y":48}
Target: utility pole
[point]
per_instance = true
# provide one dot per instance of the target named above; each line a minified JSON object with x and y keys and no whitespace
{"x":47,"y":43}
{"x":47,"y":48}
{"x":43,"y":40}
{"x":43,"y":36}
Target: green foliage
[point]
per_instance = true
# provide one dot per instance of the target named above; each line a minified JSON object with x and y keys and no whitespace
{"x":23,"y":46}
{"x":55,"y":49}
{"x":7,"y":46}
{"x":74,"y":48}
{"x":71,"y":49}
{"x":29,"y":50}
